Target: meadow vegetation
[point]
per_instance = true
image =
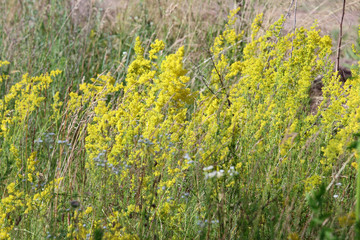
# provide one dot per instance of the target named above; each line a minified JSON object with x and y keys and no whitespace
{"x":111,"y":134}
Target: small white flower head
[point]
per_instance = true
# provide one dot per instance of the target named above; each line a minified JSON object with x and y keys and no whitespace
{"x":208,"y":168}
{"x":187,"y":157}
{"x":210,"y":175}
{"x":232,"y":171}
{"x":220,"y":173}
{"x":338,"y":184}
{"x":336,"y":196}
{"x":217,"y":174}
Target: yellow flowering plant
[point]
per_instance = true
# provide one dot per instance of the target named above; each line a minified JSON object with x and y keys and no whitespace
{"x":147,"y":156}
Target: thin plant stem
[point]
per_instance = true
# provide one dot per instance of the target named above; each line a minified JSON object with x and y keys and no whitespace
{"x":340,"y":38}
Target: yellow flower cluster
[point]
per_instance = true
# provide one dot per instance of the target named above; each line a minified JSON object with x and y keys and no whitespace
{"x":78,"y":228}
{"x":159,"y":154}
{"x":149,"y":119}
{"x":27,"y":193}
{"x":3,"y":76}
{"x":23,"y":98}
{"x":17,"y":203}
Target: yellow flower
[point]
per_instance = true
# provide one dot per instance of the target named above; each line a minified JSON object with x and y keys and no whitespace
{"x":11,"y":188}
{"x":354,"y":165}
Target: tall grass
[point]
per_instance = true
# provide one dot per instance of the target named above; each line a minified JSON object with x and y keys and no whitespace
{"x":124,"y":142}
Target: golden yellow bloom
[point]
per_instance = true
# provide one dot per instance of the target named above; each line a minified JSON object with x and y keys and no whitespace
{"x":354,"y":165}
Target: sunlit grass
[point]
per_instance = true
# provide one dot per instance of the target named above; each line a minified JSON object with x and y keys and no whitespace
{"x":124,"y":142}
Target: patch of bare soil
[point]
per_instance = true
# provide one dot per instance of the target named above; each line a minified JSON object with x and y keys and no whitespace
{"x":316,"y":94}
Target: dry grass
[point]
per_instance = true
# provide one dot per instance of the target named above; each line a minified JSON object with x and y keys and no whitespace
{"x":84,"y":38}
{"x":327,"y":13}
{"x":188,"y":22}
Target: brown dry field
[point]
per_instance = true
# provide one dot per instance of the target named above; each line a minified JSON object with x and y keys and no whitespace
{"x":187,"y":20}
{"x":194,"y":24}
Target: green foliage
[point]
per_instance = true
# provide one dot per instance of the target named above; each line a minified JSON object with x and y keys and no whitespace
{"x":316,"y":204}
{"x":151,"y":156}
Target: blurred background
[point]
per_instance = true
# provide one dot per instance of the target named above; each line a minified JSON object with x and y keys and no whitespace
{"x":88,"y":37}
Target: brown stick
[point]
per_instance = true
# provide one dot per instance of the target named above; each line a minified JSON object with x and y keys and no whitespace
{"x":339,"y":41}
{"x":294,"y":30}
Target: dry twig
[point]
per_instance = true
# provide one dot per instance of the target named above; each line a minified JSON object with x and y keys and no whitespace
{"x":340,"y":38}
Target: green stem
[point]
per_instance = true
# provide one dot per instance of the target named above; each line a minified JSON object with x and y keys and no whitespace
{"x":357,"y":209}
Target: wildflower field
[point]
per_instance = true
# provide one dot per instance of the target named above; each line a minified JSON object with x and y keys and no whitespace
{"x":175,"y":131}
